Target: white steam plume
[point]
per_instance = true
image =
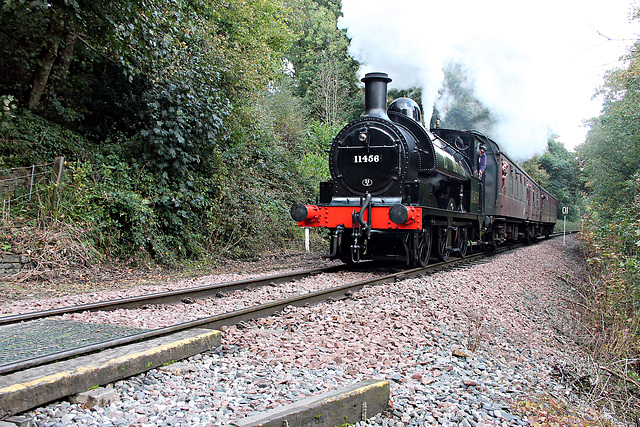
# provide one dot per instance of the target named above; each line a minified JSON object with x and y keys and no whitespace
{"x":536,"y":65}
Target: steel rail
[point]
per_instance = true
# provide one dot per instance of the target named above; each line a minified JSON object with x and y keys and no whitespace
{"x":179,"y":295}
{"x":169,"y":297}
{"x":238,"y":316}
{"x":250,"y":313}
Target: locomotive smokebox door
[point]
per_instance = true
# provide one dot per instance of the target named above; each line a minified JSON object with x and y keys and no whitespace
{"x":370,"y":166}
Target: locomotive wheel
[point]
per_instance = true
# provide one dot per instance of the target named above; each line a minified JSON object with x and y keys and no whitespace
{"x":462,"y":242}
{"x":423,"y":250}
{"x":443,"y":252}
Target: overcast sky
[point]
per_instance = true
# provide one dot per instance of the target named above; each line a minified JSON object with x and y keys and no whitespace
{"x":536,"y":64}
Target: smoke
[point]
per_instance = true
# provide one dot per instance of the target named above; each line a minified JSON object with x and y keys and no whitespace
{"x":535,"y":65}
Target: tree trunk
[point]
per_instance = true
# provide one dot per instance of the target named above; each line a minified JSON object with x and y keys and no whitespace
{"x":67,"y":54}
{"x":47,"y":58}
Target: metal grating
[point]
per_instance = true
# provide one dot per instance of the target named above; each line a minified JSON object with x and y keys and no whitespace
{"x":46,"y":336}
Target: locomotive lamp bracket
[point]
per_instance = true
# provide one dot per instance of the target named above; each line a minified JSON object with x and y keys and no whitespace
{"x":361,"y":228}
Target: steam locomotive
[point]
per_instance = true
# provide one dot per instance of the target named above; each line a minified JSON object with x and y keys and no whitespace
{"x":399,"y":191}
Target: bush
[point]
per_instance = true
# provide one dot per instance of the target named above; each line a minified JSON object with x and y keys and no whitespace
{"x":233,"y":202}
{"x":29,"y":139}
{"x":612,"y":302}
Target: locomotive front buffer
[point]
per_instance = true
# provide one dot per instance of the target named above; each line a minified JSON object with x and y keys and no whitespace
{"x":360,"y":218}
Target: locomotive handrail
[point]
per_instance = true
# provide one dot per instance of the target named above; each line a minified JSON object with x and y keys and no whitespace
{"x":363,"y":208}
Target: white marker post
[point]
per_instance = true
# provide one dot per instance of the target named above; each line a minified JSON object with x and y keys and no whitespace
{"x":565,"y":211}
{"x":306,"y":239}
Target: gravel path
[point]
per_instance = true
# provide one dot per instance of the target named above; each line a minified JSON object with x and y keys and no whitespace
{"x":460,"y":348}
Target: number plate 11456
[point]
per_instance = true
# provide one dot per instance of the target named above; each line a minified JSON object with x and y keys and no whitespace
{"x":367,"y":158}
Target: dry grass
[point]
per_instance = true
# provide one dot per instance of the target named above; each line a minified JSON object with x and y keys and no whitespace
{"x":550,"y":411}
{"x":63,"y":263}
{"x":608,"y":371}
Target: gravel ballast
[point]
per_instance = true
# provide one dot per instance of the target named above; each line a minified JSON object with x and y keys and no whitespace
{"x":459,"y":348}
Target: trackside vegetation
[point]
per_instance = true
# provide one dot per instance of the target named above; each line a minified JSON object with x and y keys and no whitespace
{"x":610,"y":163}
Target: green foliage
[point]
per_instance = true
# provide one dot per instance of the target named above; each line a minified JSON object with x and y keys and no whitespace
{"x":32,"y":140}
{"x":8,"y":107}
{"x":120,"y":221}
{"x":610,"y":160}
{"x":563,"y":179}
{"x":280,"y":112}
{"x":325,"y":71}
{"x":569,"y":226}
{"x":320,"y":136}
{"x":614,"y":257}
{"x":149,"y":103}
{"x":535,"y":171}
{"x":183,"y":137}
{"x":611,"y":154}
{"x":314,"y":163}
{"x":558,"y":171}
{"x":254,"y":35}
{"x":255,"y":187}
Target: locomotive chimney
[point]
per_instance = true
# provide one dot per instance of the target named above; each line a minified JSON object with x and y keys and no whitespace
{"x":375,"y":95}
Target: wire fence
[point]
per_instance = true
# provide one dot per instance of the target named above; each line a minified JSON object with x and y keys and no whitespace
{"x":21,"y":185}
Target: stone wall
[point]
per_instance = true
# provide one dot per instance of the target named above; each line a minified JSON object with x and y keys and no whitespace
{"x":13,"y":263}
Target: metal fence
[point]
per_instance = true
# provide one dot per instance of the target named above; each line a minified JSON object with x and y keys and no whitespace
{"x":20,"y":185}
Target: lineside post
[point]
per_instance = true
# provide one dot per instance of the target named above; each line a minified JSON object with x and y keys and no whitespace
{"x":306,"y":239}
{"x":565,"y":211}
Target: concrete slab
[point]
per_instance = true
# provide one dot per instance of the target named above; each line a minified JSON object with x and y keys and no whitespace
{"x":345,"y":406}
{"x":34,"y":387}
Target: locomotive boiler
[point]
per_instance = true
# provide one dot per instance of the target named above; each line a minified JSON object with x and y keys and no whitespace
{"x":398,"y":189}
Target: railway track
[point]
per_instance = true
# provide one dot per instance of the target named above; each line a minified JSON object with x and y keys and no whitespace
{"x":220,"y":320}
{"x":170,"y":297}
{"x":212,"y":322}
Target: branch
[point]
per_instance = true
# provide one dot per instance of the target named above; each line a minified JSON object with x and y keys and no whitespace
{"x":86,"y":43}
{"x":622,"y":376}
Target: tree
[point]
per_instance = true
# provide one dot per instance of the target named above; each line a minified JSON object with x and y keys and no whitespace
{"x":330,"y":92}
{"x":40,"y":38}
{"x":324,"y":70}
{"x":611,"y":153}
{"x":457,"y":106}
{"x":180,"y":67}
{"x":535,"y":171}
{"x":164,"y":91}
{"x":565,"y":180}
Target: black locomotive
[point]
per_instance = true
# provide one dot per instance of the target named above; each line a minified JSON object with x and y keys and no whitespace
{"x":398,"y":190}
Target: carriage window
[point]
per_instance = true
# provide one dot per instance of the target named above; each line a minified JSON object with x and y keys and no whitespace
{"x":521,"y":184}
{"x":511,"y":183}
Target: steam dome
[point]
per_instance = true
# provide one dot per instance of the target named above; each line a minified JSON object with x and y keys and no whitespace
{"x":408,"y":107}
